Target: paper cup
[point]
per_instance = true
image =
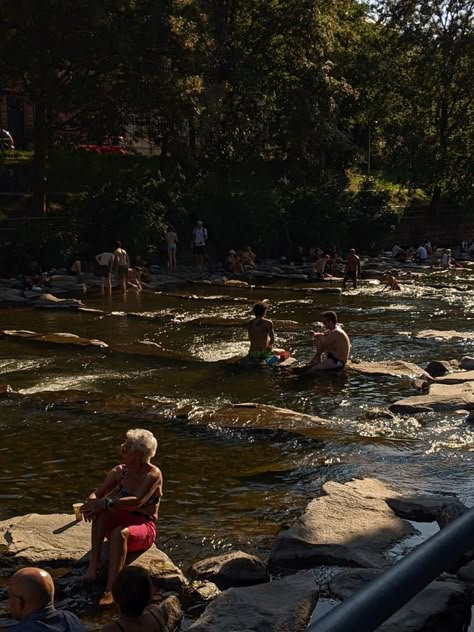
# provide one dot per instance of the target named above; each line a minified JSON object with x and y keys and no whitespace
{"x":77,"y":511}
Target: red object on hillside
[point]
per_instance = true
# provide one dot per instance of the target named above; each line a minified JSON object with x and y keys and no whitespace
{"x":111,"y":145}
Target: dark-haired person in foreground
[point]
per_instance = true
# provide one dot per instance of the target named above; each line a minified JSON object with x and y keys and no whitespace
{"x":31,"y":601}
{"x":132,"y":591}
{"x":261,"y":335}
{"x":333,"y":342}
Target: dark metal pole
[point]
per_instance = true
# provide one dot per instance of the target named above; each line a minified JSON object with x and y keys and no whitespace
{"x":383,"y":596}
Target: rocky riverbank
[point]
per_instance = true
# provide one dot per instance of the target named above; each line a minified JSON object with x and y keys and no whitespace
{"x":343,"y":539}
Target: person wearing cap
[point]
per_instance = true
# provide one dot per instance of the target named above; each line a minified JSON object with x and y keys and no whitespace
{"x":199,"y":243}
{"x":31,"y":602}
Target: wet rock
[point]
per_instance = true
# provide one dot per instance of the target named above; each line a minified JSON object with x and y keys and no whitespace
{"x":439,"y":397}
{"x":376,"y":412}
{"x":351,"y":525}
{"x":470,"y":417}
{"x":54,"y":338}
{"x":10,"y":296}
{"x":438,"y":368}
{"x":197,"y":595}
{"x":459,"y":377}
{"x":231,"y":569}
{"x":235,"y":283}
{"x":441,"y":606}
{"x":254,"y":416}
{"x":444,"y":335}
{"x":466,"y":573}
{"x":277,"y":606}
{"x":388,"y":368}
{"x":467,"y":363}
{"x":48,"y":301}
{"x":172,"y":613}
{"x":58,"y":540}
{"x":435,"y":508}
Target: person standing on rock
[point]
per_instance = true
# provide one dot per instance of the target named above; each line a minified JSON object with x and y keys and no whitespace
{"x":199,"y":244}
{"x":352,"y":270}
{"x":333,"y":342}
{"x":121,"y":265}
{"x":31,"y":601}
{"x":124,"y":508}
{"x":105,"y":261}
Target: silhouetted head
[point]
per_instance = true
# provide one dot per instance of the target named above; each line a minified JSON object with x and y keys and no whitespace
{"x":132,"y":590}
{"x":260,"y":309}
{"x":29,"y":589}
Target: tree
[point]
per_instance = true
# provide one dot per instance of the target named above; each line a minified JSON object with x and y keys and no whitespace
{"x":66,"y":57}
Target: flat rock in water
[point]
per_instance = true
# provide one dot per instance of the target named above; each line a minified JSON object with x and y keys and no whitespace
{"x":467,"y":363}
{"x":444,"y":335}
{"x":389,"y":368}
{"x":152,"y":349}
{"x":48,"y":301}
{"x":351,"y":525}
{"x":278,"y":606}
{"x":459,"y":377}
{"x":57,"y":338}
{"x":254,"y":416}
{"x":232,"y":569}
{"x":439,"y":397}
{"x":441,"y":606}
{"x":58,"y":540}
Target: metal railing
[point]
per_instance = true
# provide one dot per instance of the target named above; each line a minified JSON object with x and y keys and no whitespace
{"x":380,"y":598}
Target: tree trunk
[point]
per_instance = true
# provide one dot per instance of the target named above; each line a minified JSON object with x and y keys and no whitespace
{"x":40,"y":141}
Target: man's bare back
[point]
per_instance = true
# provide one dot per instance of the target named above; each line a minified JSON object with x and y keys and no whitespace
{"x":261,"y":334}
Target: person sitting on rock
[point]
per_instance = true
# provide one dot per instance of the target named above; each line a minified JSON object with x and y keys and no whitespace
{"x":261,"y":335}
{"x":134,"y":278}
{"x":126,"y":517}
{"x":31,"y":601}
{"x":333,"y":342}
{"x":233,"y":263}
{"x":132,"y":591}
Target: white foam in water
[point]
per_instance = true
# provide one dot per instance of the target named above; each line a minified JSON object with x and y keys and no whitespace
{"x":14,"y":366}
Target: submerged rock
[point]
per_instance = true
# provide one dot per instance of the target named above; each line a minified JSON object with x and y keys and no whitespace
{"x":254,"y":416}
{"x":389,"y":368}
{"x":439,"y":397}
{"x":58,"y":540}
{"x":57,"y":338}
{"x":441,"y":606}
{"x":278,"y":606}
{"x":350,"y":525}
{"x":231,"y":569}
{"x":459,"y":377}
{"x":444,"y":335}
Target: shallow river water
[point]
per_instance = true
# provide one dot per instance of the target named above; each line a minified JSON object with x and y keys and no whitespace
{"x":230,"y":488}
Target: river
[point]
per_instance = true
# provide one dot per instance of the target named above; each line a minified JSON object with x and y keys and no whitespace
{"x":228,"y":489}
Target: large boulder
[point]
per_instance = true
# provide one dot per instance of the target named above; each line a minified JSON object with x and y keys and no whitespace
{"x":467,"y":363}
{"x":441,"y":606}
{"x":277,"y":606}
{"x":351,"y":525}
{"x":439,"y":397}
{"x":57,"y":338}
{"x":388,"y":368}
{"x":444,"y":335}
{"x":231,"y":569}
{"x":435,"y":508}
{"x":11,"y":296}
{"x":58,"y":540}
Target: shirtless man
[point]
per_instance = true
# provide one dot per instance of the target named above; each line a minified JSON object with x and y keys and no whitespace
{"x":352,"y":270}
{"x":121,"y":264}
{"x":390,"y":281}
{"x":319,"y":267}
{"x":261,"y":334}
{"x":334,"y":342}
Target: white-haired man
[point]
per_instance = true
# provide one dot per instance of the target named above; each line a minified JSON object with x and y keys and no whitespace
{"x":124,"y":508}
